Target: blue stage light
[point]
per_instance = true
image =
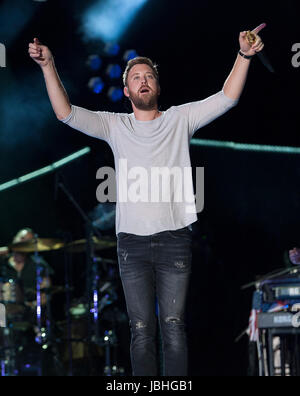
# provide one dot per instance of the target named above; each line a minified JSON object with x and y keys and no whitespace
{"x":115,"y":94}
{"x":96,"y":84}
{"x":114,"y":71}
{"x":129,"y":54}
{"x":111,"y":49}
{"x":109,"y":19}
{"x":94,"y":62}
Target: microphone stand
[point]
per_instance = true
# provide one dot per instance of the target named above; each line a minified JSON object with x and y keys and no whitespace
{"x":92,"y":299}
{"x":68,"y":306}
{"x":271,"y":275}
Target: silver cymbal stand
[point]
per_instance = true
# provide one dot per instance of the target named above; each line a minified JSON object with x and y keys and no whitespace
{"x":38,"y":338}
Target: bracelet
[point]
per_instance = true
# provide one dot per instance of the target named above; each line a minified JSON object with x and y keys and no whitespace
{"x":245,"y":56}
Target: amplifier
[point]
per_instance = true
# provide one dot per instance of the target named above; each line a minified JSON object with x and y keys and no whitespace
{"x":285,"y":289}
{"x":278,"y":319}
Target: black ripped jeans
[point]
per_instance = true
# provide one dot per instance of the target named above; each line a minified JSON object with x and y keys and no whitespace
{"x":156,"y":268}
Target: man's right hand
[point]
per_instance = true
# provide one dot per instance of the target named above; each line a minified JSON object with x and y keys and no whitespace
{"x":56,"y":92}
{"x":39,"y":53}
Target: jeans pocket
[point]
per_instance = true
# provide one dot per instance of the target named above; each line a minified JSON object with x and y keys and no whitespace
{"x":181,"y":233}
{"x":123,"y":236}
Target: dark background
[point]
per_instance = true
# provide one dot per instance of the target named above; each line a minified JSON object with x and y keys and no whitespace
{"x":251,"y":214}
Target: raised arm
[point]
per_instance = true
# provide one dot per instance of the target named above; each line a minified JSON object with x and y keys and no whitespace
{"x":57,"y":94}
{"x":236,"y":80}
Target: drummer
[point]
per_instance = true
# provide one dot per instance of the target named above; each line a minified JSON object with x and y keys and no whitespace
{"x":22,"y":267}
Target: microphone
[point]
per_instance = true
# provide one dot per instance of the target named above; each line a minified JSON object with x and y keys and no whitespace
{"x":251,"y":38}
{"x":265,"y":61}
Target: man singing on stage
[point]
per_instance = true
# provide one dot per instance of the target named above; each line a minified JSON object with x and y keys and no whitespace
{"x":154,"y":238}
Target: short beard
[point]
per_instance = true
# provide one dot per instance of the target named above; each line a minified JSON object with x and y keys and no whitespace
{"x":142,"y":104}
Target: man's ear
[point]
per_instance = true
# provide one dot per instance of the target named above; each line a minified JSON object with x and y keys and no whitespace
{"x":126,"y":93}
{"x":158,"y":89}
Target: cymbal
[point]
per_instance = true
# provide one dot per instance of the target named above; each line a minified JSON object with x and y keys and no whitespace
{"x":39,"y":244}
{"x":79,"y":246}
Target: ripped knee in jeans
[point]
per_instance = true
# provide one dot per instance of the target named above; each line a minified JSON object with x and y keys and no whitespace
{"x":140,"y":325}
{"x":173,"y":320}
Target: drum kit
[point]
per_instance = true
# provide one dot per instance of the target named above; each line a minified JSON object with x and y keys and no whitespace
{"x":81,"y":336}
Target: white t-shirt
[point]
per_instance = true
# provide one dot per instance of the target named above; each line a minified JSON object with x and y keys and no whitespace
{"x":143,"y":149}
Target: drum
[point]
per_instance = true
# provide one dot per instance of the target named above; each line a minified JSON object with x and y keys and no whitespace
{"x":78,"y":309}
{"x":81,"y":350}
{"x":11,"y":297}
